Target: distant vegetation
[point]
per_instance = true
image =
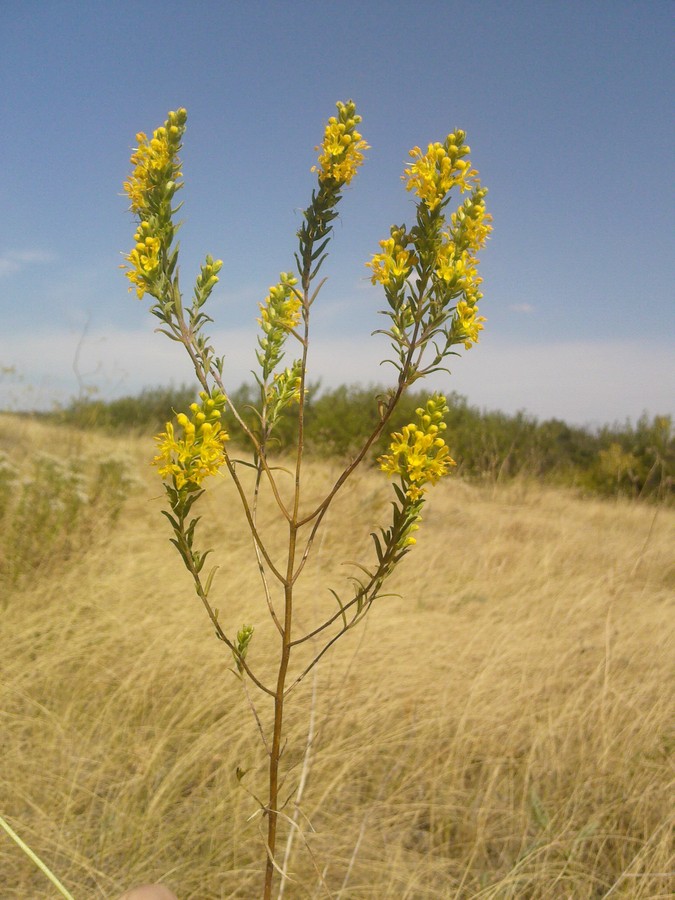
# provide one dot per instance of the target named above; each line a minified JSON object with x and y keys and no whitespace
{"x":636,"y":460}
{"x":146,"y":411}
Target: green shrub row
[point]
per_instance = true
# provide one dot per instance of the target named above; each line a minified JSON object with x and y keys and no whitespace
{"x":635,"y":460}
{"x":150,"y":409}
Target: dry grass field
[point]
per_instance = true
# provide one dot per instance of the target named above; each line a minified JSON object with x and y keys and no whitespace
{"x":501,"y":729}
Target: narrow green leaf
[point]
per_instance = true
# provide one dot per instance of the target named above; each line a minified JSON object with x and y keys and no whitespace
{"x":209,"y":582}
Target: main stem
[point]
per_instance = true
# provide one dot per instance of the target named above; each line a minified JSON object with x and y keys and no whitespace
{"x":316,"y":226}
{"x":286,"y":636}
{"x":275,"y":753}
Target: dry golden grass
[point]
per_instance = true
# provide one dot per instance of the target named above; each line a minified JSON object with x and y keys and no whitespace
{"x":503,"y":729}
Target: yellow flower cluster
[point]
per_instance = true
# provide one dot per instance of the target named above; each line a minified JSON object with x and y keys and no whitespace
{"x":155,"y":161}
{"x":143,"y":259}
{"x":189,"y":454}
{"x":466,"y":323}
{"x":458,"y":269}
{"x":282,"y":306}
{"x":280,"y":313}
{"x":285,"y":388}
{"x":471,"y":224}
{"x":441,"y":250}
{"x":341,"y":152}
{"x":394,"y":264}
{"x":418,"y":453}
{"x":441,"y":168}
{"x":150,"y":188}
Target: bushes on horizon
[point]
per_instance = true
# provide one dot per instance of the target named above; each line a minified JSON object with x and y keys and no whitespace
{"x":636,"y":460}
{"x":146,"y":411}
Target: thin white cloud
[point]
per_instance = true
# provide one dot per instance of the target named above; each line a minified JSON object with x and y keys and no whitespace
{"x":13,"y":261}
{"x":581,"y":382}
{"x":521,"y":308}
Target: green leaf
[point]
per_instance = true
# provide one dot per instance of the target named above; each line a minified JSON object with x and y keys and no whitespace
{"x":171,"y":336}
{"x":319,"y":250}
{"x":313,"y":274}
{"x":171,"y":519}
{"x":190,"y":500}
{"x":202,"y":560}
{"x":342,"y":609}
{"x":209,"y":582}
{"x":182,"y":552}
{"x":378,"y":546}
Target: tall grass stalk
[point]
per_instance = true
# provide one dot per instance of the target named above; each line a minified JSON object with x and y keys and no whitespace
{"x":36,"y":859}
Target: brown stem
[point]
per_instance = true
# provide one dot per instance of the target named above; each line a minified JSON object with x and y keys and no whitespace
{"x":286,"y":642}
{"x":275,"y":755}
{"x":201,"y":593}
{"x":249,"y":519}
{"x":261,"y":567}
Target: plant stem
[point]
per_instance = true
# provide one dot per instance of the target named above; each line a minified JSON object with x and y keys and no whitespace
{"x":286,"y":642}
{"x":272,"y":811}
{"x":301,"y":787}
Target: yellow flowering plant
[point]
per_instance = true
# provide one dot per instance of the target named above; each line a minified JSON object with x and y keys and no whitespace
{"x":429,"y":274}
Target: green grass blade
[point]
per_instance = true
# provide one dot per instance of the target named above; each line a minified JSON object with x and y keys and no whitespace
{"x":36,"y":859}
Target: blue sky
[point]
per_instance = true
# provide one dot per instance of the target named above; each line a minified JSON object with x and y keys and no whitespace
{"x":568,"y":111}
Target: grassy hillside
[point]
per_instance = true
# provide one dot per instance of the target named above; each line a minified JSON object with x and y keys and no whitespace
{"x":502,"y":729}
